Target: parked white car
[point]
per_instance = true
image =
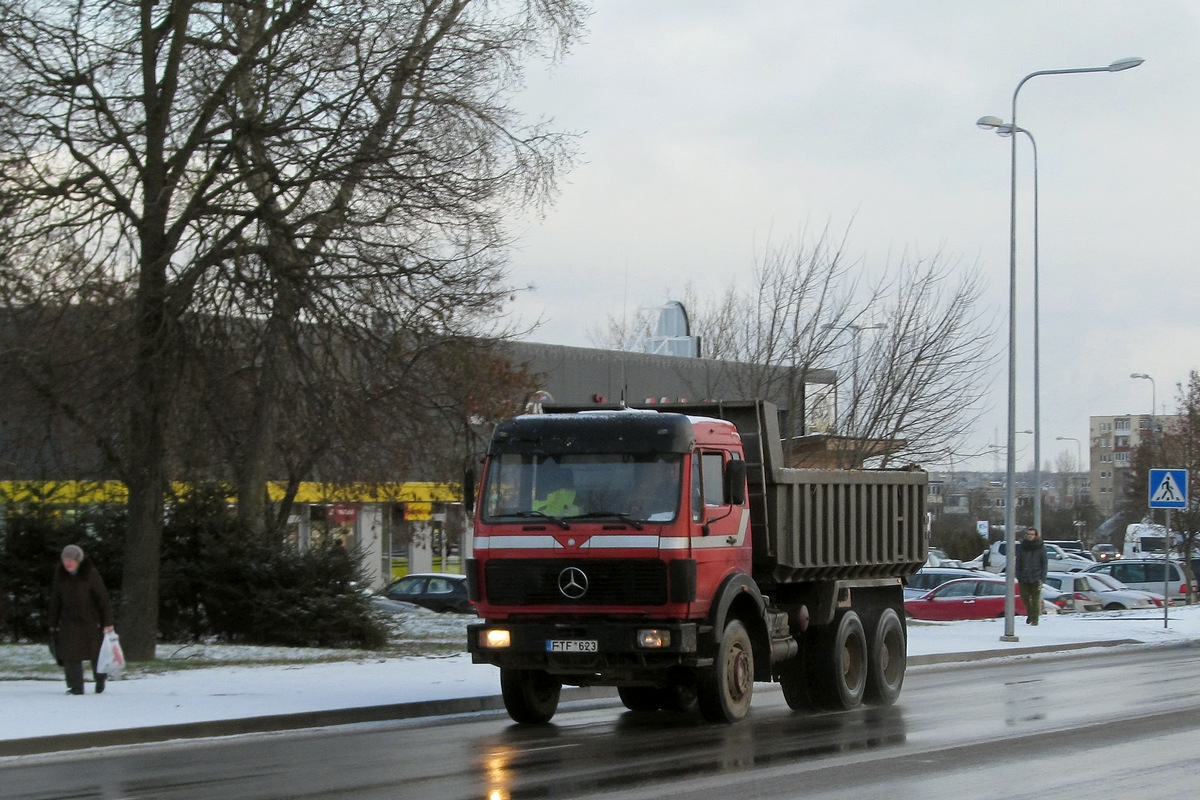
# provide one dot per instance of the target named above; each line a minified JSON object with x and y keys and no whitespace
{"x":1088,"y":591}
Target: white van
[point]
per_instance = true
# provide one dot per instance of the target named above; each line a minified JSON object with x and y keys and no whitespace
{"x":1146,"y":540}
{"x":1057,"y":559}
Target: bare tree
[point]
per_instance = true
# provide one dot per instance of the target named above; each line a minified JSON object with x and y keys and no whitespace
{"x":625,"y":333}
{"x":1066,"y":467}
{"x":293,"y":163}
{"x":922,"y":379}
{"x":778,"y":327}
{"x":911,"y":391}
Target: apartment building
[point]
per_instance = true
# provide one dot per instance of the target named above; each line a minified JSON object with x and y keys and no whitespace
{"x":1112,"y":442}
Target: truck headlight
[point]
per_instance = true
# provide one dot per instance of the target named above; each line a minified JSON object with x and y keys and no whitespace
{"x":494,"y":638}
{"x":652,"y":638}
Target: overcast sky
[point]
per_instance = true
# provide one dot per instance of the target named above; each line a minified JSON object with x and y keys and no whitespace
{"x":709,"y":129}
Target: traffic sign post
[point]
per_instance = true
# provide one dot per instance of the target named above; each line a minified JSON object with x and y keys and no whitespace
{"x":1168,"y":490}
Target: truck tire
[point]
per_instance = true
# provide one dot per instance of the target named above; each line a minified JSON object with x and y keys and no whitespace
{"x":677,"y":697}
{"x":639,"y":698}
{"x":887,"y":659}
{"x":794,"y":682}
{"x":530,"y":695}
{"x":724,"y":689}
{"x":672,"y":697}
{"x":837,"y":667}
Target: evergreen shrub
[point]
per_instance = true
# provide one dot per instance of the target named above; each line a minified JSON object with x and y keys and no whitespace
{"x":216,"y":580}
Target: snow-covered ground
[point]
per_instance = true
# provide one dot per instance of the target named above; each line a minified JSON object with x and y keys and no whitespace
{"x":40,"y":707}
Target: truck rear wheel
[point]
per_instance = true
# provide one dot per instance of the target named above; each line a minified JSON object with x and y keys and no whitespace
{"x":838,"y":666}
{"x":794,"y":682}
{"x":888,"y":659}
{"x":530,"y":695}
{"x":724,"y":689}
{"x":672,"y":697}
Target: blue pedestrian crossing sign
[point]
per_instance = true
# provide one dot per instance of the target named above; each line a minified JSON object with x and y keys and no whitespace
{"x":1168,"y":488}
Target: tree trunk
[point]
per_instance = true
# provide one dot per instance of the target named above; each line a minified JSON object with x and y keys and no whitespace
{"x":145,"y":473}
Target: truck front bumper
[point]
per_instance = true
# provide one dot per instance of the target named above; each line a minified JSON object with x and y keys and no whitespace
{"x":592,"y":653}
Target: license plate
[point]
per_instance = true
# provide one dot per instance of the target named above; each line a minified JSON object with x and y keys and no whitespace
{"x":572,"y":646}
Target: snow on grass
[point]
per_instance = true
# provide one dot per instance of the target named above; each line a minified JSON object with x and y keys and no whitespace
{"x":416,"y":633}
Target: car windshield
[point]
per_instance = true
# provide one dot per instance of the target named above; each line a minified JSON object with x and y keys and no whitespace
{"x":633,"y":487}
{"x":1108,"y":581}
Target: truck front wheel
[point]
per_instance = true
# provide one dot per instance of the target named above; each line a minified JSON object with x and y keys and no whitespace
{"x":724,"y":689}
{"x":530,"y":695}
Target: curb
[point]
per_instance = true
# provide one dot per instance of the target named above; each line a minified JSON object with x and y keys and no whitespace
{"x":982,"y":655}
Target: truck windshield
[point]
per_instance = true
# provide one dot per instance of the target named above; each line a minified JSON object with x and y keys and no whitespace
{"x":639,"y":488}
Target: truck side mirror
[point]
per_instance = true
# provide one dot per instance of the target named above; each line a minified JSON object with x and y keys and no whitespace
{"x":735,"y":482}
{"x":469,"y":490}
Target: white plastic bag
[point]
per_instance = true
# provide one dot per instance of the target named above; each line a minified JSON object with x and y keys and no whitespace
{"x":111,"y":660}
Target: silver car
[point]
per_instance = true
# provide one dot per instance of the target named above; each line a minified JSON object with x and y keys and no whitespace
{"x":1146,"y":575}
{"x":926,"y":579}
{"x":1155,"y":598}
{"x":1089,"y":592}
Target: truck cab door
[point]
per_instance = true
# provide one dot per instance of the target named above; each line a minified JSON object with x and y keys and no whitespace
{"x":720,"y":523}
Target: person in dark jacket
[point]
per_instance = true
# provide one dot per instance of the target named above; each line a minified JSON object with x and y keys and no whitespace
{"x":80,"y":615}
{"x":1030,"y":572}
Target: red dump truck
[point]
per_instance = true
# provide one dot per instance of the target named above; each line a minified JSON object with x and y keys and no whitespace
{"x":671,"y":554}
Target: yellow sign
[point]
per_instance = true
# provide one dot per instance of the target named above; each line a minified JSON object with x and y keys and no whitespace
{"x":415,"y":493}
{"x":418,"y":511}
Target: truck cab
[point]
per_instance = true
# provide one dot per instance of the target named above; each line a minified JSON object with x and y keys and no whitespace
{"x":571,"y":523}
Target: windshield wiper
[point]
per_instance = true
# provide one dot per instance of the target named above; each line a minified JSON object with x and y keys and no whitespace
{"x":621,"y":515}
{"x":559,"y":521}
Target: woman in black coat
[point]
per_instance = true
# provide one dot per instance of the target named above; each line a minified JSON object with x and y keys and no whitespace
{"x":80,"y":615}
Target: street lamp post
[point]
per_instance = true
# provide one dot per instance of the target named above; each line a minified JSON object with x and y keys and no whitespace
{"x":1153,"y":403}
{"x":1011,"y":466}
{"x":1007,"y":130}
{"x":856,"y":331}
{"x":1078,"y":459}
{"x":1153,"y":395}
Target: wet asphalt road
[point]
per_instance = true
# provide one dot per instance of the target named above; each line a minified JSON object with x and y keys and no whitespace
{"x":1115,"y":724}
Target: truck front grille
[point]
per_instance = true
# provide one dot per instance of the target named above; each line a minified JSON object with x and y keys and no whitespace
{"x":624,"y":582}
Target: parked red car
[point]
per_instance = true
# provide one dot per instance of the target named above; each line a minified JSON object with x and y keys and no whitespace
{"x":963,"y":598}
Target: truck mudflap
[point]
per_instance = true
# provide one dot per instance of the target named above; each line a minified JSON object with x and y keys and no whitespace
{"x":594,"y":651}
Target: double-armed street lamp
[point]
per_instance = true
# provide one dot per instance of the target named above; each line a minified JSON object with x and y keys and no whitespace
{"x":1009,"y":510}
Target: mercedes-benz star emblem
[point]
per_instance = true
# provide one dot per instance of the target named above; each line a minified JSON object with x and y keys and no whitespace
{"x":573,"y":583}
